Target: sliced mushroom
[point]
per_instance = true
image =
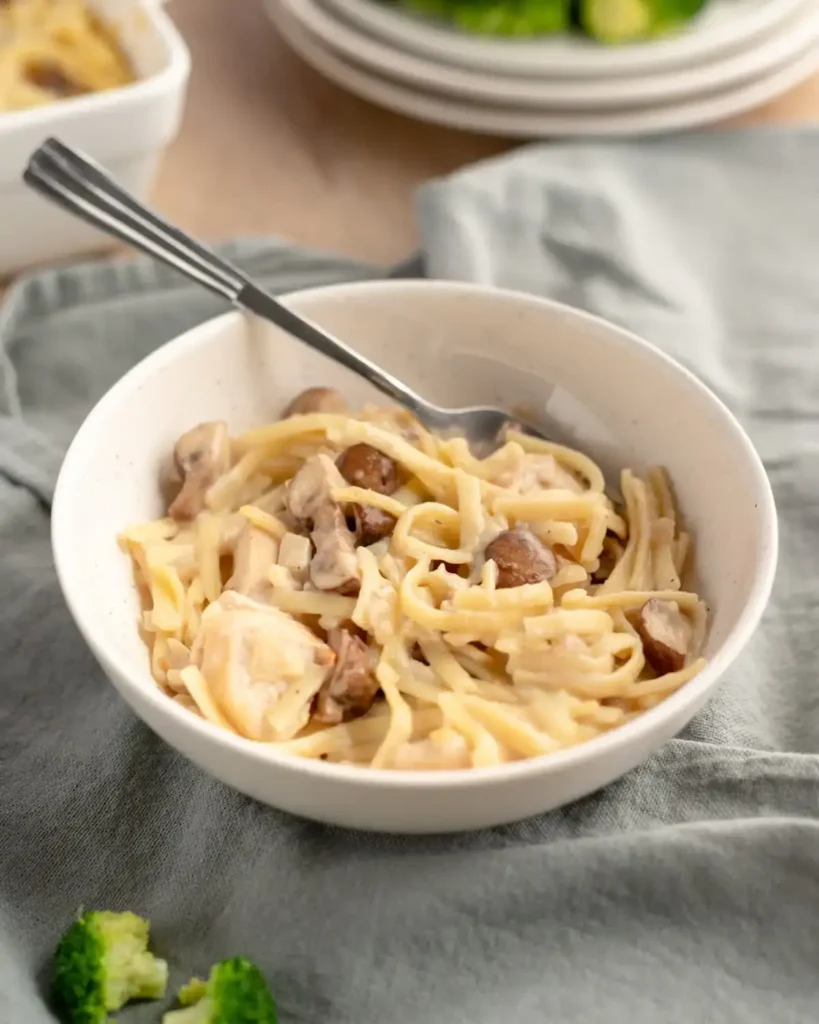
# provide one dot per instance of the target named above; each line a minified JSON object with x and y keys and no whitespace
{"x":312,"y":487}
{"x":334,"y":565}
{"x":255,"y":552}
{"x":666,"y":634}
{"x":295,"y":552}
{"x":262,"y":667}
{"x":201,"y":455}
{"x":611,"y":554}
{"x":371,"y":524}
{"x":365,"y":466}
{"x":352,"y":687}
{"x":51,"y":77}
{"x":316,"y":400}
{"x":521,"y":558}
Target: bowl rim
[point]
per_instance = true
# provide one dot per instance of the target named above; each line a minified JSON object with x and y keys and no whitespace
{"x":609,"y":743}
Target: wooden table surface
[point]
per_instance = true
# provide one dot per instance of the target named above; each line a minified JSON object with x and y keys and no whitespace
{"x":269,"y":147}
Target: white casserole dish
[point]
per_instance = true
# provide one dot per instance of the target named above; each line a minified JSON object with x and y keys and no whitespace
{"x":126,"y":130}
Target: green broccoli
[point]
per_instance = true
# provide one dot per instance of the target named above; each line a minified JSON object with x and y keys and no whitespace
{"x":671,"y":15}
{"x":500,"y":17}
{"x":101,"y":963}
{"x":623,"y":21}
{"x":235,"y":993}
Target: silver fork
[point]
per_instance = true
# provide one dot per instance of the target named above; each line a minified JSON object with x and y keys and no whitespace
{"x":80,"y":186}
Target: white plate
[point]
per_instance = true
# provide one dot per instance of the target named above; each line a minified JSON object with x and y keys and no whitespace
{"x":726,"y":24}
{"x":769,"y":53}
{"x":516,"y":123}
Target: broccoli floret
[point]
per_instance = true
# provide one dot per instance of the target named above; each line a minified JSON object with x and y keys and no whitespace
{"x":193,"y":992}
{"x":235,"y":993}
{"x":616,"y":21}
{"x":670,"y":15}
{"x":623,"y":21}
{"x":101,"y":963}
{"x":500,"y":17}
{"x":607,"y":21}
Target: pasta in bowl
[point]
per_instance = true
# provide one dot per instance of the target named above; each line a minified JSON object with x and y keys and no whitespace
{"x":352,"y":588}
{"x":442,"y":646}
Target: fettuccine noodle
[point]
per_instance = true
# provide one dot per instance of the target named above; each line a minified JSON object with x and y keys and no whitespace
{"x":352,"y":588}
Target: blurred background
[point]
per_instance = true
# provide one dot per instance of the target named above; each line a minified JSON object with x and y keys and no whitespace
{"x":268,"y":145}
{"x":316,"y":120}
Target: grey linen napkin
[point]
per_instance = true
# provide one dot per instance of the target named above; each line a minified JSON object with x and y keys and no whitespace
{"x":689,"y":890}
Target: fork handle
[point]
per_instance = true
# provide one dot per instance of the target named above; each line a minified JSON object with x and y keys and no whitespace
{"x":83,"y":188}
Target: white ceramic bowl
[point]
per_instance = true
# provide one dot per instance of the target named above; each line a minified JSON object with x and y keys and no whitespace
{"x":124,"y":129}
{"x":616,"y":396}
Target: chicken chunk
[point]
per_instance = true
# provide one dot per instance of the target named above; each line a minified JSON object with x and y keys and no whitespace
{"x":295,"y":553}
{"x":441,"y":750}
{"x":544,"y":471}
{"x":255,"y":552}
{"x":262,"y":667}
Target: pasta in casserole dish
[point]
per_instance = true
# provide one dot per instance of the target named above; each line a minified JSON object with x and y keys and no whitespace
{"x":55,"y":49}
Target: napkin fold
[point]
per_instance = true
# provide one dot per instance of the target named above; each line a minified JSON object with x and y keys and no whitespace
{"x":688,"y":890}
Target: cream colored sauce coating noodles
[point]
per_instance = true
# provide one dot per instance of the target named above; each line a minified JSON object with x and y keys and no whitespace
{"x":349,"y":587}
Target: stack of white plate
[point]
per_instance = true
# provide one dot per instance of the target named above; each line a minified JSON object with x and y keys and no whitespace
{"x":736,"y":56}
